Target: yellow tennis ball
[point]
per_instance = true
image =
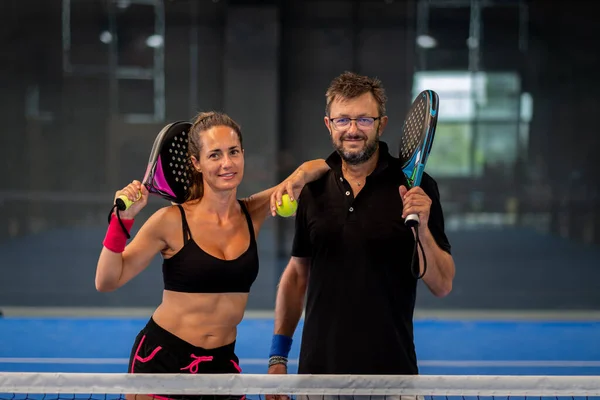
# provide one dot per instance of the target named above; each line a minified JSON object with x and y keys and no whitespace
{"x":287,"y":207}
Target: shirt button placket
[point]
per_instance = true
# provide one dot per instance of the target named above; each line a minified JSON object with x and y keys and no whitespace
{"x":348,"y":193}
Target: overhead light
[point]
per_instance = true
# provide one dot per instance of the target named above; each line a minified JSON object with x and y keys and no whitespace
{"x":123,"y":4}
{"x":426,"y":41}
{"x":472,"y":42}
{"x":154,"y":41}
{"x":105,"y":37}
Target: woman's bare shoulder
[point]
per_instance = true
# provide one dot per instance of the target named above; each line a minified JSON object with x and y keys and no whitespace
{"x":165,"y":218}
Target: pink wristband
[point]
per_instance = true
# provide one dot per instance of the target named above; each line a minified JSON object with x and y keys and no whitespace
{"x":115,"y":239}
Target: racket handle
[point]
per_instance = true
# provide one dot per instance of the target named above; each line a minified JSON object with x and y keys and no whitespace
{"x":123,"y":203}
{"x":412,"y":220}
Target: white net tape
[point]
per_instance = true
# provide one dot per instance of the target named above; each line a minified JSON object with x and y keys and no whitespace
{"x":250,"y":384}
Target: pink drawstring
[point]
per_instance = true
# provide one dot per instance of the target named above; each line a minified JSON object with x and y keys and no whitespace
{"x":236,"y":366}
{"x":193,"y":367}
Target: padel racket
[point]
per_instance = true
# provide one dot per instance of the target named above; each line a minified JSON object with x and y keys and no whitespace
{"x":168,"y":171}
{"x":417,"y":140}
{"x":415,"y":145}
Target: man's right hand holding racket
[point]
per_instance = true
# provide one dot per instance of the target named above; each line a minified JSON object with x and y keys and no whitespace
{"x":138,"y":194}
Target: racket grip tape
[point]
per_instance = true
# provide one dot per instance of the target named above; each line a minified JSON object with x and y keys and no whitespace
{"x":123,"y":203}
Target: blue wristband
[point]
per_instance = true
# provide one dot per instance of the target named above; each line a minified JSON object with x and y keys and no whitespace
{"x":280,"y":346}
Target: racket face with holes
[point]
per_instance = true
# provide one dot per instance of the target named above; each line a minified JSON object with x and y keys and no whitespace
{"x":417,"y":135}
{"x":168,"y":171}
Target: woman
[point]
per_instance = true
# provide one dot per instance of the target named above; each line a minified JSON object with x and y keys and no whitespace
{"x":210,"y":255}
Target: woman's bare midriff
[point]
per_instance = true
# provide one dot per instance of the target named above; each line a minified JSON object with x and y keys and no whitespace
{"x":204,"y":320}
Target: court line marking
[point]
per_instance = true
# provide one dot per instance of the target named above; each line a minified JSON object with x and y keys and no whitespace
{"x":261,"y":361}
{"x":420,"y":314}
{"x":509,"y":363}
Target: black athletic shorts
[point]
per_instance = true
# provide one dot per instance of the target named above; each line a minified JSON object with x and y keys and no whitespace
{"x":157,"y":350}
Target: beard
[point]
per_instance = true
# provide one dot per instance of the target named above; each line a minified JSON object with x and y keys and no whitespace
{"x":354,"y":157}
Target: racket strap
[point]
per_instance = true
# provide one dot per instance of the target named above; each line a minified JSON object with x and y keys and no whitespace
{"x":120,"y":221}
{"x":415,"y":257}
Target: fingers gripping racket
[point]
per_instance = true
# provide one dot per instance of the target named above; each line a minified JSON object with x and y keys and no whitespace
{"x":415,"y":145}
{"x":168,"y":170}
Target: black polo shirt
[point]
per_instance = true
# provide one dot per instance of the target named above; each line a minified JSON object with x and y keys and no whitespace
{"x":361,"y":292}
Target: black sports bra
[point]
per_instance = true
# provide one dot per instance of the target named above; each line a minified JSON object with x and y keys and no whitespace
{"x":192,"y":270}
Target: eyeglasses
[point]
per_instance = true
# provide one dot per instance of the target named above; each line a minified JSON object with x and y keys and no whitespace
{"x":344,"y":122}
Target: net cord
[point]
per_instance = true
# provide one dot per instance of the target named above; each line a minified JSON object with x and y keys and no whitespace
{"x":255,"y":384}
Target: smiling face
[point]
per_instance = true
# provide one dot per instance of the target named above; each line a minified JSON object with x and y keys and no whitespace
{"x":355,"y":126}
{"x":355,"y":116}
{"x":221,"y":158}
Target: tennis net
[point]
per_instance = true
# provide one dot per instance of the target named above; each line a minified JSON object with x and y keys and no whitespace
{"x":49,"y":386}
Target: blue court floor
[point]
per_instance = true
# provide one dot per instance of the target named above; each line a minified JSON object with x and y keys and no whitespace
{"x":443,"y":346}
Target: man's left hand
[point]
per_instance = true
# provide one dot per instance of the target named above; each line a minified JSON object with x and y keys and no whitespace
{"x":415,"y":201}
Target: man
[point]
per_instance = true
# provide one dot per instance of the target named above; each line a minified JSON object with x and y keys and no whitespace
{"x":352,"y":252}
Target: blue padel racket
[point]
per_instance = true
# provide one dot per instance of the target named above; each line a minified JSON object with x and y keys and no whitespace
{"x":417,"y":140}
{"x":167,"y":173}
{"x":415,"y":145}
